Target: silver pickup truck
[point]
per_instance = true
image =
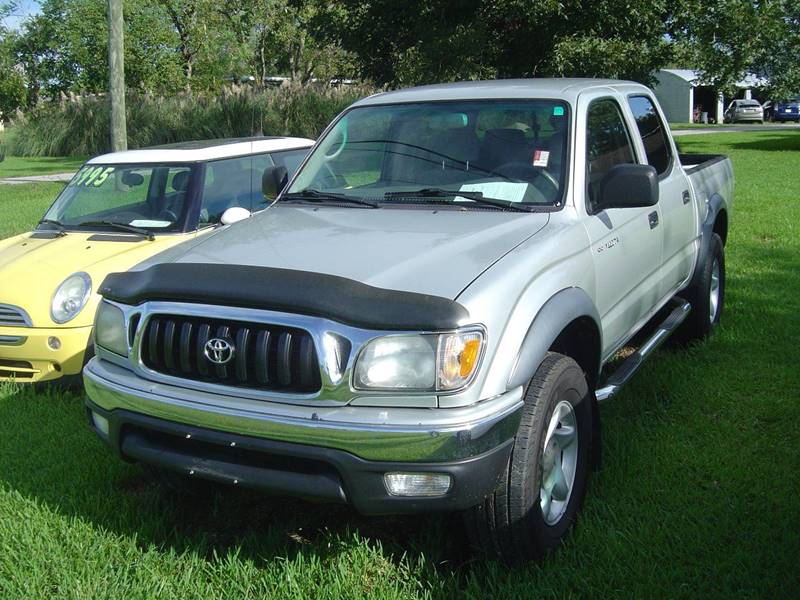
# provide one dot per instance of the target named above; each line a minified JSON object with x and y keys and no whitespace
{"x":426,"y":316}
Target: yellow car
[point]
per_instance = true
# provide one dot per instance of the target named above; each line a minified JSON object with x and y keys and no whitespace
{"x":118,"y":210}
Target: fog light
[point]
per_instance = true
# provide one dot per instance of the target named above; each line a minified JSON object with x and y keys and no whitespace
{"x":100,"y":423}
{"x":53,"y":342}
{"x":417,"y":484}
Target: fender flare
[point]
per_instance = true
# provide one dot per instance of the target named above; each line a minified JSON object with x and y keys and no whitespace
{"x":715,"y":205}
{"x":558,"y":312}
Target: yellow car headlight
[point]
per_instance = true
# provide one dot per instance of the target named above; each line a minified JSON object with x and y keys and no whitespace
{"x":70,"y":297}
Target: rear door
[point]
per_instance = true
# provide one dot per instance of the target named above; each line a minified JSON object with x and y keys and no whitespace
{"x":678,"y":214}
{"x":625,"y":242}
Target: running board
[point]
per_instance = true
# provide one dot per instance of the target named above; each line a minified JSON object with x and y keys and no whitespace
{"x":628,"y":368}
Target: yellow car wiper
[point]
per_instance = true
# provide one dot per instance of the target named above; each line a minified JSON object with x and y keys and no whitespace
{"x":120,"y":226}
{"x":61,"y":232}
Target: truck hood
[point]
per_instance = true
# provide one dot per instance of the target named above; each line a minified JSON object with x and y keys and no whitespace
{"x":437,"y":252}
{"x":33,"y":265}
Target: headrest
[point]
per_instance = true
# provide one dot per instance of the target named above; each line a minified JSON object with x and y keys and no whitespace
{"x":180,"y":181}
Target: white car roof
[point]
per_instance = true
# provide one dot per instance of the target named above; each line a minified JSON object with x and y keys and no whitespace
{"x":556,"y":88}
{"x":203,"y":150}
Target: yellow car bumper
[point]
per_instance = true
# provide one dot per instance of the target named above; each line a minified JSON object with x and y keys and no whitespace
{"x":27,"y":354}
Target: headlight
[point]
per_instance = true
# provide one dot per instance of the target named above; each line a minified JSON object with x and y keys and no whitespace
{"x":70,"y":297}
{"x":424,"y":362}
{"x":109,"y":329}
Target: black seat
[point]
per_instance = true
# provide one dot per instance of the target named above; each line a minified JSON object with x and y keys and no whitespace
{"x":502,"y":146}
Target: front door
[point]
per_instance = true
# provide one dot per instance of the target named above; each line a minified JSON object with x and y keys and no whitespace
{"x":625,"y":242}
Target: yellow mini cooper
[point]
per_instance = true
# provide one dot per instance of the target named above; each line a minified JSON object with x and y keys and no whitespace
{"x":118,"y":210}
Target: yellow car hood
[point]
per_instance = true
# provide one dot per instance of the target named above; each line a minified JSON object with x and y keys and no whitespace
{"x":32,"y":266}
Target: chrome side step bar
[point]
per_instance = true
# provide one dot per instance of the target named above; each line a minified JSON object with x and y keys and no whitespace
{"x":631,"y":364}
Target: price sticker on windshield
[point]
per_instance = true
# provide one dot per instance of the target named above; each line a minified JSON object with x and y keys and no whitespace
{"x":92,"y":176}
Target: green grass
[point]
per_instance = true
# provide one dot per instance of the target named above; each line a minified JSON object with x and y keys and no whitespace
{"x":17,"y":166}
{"x":698,"y":495}
{"x":21,"y":206}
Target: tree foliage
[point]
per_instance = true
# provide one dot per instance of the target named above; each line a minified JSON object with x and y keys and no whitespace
{"x":202,"y":45}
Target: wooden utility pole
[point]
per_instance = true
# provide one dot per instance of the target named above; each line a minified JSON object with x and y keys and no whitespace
{"x":116,"y":76}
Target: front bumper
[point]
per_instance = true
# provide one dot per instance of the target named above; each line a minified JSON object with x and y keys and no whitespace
{"x":339,"y":454}
{"x":25,"y":355}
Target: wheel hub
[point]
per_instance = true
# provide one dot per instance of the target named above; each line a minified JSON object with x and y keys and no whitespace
{"x":558,"y":463}
{"x":714,"y":289}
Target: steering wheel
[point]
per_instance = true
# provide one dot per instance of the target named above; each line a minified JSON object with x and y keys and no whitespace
{"x":340,"y":149}
{"x":529,"y":173}
{"x":167,"y":215}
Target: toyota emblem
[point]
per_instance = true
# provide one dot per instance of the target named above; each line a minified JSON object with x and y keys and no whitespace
{"x":219,"y":351}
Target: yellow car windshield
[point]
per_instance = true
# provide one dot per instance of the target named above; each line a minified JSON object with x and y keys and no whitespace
{"x":154,"y":197}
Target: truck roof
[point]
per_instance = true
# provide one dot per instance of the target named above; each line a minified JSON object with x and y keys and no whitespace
{"x":203,"y":150}
{"x":561,"y":88}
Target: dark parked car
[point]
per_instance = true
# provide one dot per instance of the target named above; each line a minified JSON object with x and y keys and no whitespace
{"x":784,"y":110}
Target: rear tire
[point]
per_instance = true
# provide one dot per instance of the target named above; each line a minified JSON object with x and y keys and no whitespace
{"x":707,"y":296}
{"x":538,"y":497}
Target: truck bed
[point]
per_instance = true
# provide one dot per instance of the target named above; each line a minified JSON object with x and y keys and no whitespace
{"x":711,"y":175}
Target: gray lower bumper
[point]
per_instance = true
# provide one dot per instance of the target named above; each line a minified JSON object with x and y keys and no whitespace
{"x":375,"y":434}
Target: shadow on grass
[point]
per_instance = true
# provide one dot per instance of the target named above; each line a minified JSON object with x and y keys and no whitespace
{"x":49,"y":454}
{"x":772,"y":141}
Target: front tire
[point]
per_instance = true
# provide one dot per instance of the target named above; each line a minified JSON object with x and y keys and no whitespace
{"x":538,"y":497}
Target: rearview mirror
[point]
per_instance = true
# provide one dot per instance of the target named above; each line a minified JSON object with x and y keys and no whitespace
{"x":628,"y":186}
{"x":273,"y":181}
{"x":234,"y":214}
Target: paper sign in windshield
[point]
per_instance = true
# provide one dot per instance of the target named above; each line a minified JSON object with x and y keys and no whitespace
{"x":541,"y":158}
{"x":500,"y":190}
{"x":149,"y":223}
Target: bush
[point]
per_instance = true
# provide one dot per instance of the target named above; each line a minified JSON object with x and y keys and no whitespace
{"x":79,"y":126}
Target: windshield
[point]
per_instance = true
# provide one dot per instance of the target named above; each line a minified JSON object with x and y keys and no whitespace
{"x":149,"y":196}
{"x":508,"y":150}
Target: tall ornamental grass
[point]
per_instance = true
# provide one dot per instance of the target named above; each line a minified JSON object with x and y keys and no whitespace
{"x":79,"y":126}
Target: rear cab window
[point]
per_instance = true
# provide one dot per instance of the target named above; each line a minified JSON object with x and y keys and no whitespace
{"x":654,"y":135}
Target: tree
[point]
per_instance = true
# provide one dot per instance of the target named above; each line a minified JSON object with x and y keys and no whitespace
{"x":727,"y":39}
{"x":13,"y":93}
{"x":439,"y":40}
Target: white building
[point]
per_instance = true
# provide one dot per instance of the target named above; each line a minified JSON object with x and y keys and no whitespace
{"x":680,"y":91}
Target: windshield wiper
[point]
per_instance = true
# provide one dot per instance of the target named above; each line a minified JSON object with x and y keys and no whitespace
{"x":57,"y":224}
{"x":317,"y":196}
{"x":477,"y":197}
{"x":121,"y":226}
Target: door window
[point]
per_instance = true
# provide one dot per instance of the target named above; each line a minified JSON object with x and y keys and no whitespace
{"x":652,"y":131}
{"x":607,"y":143}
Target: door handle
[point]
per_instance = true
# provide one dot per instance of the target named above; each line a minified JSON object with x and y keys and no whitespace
{"x":686,"y":196}
{"x":653,"y":218}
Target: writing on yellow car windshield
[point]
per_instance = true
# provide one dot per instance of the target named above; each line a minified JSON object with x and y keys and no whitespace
{"x":92,"y":176}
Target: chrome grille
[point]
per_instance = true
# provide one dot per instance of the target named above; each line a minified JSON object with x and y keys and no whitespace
{"x":14,"y":316}
{"x":266,"y":357}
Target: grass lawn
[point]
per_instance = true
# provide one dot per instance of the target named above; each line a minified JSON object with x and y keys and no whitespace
{"x":17,"y":166}
{"x":699,"y":495}
{"x":21,"y":206}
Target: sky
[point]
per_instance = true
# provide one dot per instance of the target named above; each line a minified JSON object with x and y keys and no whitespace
{"x":24,"y":9}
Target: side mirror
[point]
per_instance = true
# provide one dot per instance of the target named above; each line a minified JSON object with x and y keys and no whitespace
{"x":234,"y":214}
{"x":273,"y":181}
{"x":628,"y":186}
